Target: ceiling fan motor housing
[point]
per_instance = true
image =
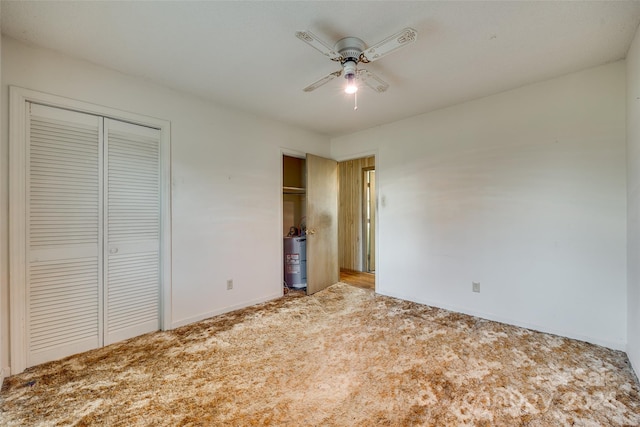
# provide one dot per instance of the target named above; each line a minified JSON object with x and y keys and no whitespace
{"x":350,"y":48}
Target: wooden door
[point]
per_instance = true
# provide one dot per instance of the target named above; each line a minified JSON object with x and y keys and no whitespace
{"x":322,"y":223}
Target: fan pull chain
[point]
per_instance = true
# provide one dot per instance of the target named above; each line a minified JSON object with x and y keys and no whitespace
{"x":355,"y":101}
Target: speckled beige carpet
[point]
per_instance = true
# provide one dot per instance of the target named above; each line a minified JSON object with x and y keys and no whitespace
{"x":343,"y":357}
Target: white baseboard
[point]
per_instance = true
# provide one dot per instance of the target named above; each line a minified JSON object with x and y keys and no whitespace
{"x":4,"y":372}
{"x":223,"y":310}
{"x":489,"y":316}
{"x":635,"y":362}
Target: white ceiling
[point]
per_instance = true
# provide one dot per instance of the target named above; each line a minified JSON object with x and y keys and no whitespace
{"x":245,"y":54}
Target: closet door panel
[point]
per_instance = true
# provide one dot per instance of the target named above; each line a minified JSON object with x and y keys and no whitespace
{"x":64,"y":240}
{"x":132,"y":230}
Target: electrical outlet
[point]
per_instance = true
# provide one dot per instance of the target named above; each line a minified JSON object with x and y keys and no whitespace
{"x":475,"y":286}
{"x":229,"y":284}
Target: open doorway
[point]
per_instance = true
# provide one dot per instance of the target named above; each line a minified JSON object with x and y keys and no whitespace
{"x":310,"y":223}
{"x":356,"y":222}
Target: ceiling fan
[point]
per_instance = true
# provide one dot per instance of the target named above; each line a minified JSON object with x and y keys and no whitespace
{"x":351,"y":51}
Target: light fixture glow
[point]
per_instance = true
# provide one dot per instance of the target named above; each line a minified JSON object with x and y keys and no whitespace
{"x":351,"y":87}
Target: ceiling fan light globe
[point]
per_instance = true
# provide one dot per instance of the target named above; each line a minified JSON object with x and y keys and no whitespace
{"x":351,"y":89}
{"x":351,"y":86}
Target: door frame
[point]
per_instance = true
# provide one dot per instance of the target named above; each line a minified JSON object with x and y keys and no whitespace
{"x":376,"y":155}
{"x":18,"y":114}
{"x":366,"y":263}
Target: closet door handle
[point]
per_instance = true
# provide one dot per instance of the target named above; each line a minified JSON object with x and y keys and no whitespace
{"x":311,"y":231}
{"x":113,"y":250}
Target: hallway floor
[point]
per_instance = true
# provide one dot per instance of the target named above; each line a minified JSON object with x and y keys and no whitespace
{"x":358,"y":278}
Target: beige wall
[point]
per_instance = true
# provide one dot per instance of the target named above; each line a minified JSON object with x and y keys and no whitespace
{"x":4,"y":234}
{"x":523,"y":191}
{"x":226,"y":170}
{"x":633,"y":202}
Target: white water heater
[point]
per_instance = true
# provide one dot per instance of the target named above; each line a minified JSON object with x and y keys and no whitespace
{"x":295,"y":262}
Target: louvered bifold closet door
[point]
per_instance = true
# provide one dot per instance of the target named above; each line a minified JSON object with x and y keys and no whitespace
{"x":64,"y":224}
{"x":132,"y":230}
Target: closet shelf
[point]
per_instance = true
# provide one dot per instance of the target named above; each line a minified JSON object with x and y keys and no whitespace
{"x":294,"y":190}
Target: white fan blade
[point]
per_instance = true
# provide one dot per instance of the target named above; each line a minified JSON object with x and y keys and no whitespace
{"x":388,"y":45}
{"x":373,"y":81}
{"x":322,"y":81}
{"x":313,"y":41}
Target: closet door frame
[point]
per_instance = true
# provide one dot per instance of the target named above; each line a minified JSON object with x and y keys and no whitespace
{"x":18,"y":117}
